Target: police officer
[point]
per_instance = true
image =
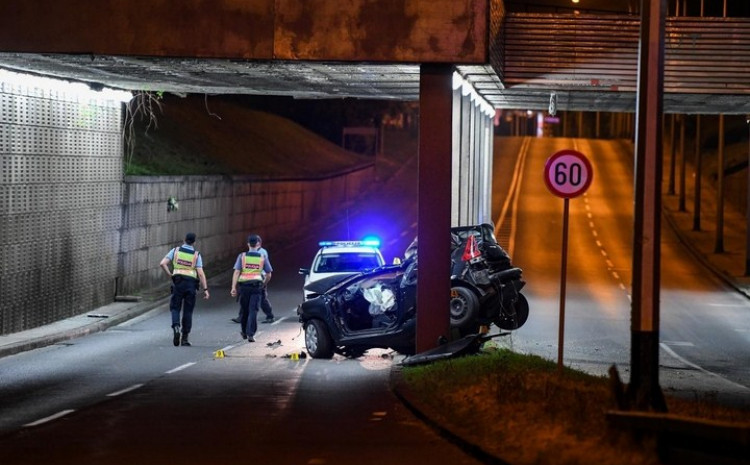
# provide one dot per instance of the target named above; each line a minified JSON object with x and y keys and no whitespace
{"x":252,"y":272}
{"x":187,"y":271}
{"x":265,"y":305}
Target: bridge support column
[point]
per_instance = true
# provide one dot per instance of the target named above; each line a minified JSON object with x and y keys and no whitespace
{"x":644,"y":390}
{"x":434,"y":209}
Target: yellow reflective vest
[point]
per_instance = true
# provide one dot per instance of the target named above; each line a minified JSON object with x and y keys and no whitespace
{"x":183,"y":263}
{"x":252,"y":267}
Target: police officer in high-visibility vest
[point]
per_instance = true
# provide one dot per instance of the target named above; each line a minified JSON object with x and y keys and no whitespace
{"x":252,"y":272}
{"x":187,"y":272}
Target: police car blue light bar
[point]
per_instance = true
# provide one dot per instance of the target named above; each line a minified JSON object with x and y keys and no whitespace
{"x":367,"y":242}
{"x":372,"y":241}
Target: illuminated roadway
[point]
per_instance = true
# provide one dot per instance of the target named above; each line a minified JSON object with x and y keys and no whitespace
{"x":705,"y":325}
{"x":126,"y":395}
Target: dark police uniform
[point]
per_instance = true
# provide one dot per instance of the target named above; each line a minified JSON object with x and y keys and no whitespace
{"x":185,"y":260}
{"x":252,"y":265}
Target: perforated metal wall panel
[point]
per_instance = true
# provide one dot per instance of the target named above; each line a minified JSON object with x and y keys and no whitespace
{"x":76,"y":232}
{"x":60,"y":205}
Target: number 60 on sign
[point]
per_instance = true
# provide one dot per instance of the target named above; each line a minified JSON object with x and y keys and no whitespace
{"x":568,"y":173}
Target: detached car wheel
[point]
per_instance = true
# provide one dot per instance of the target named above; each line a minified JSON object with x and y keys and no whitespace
{"x":515,"y":321}
{"x":317,"y":340}
{"x":464,"y":307}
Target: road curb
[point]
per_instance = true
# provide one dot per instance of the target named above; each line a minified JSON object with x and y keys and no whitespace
{"x":402,"y":392}
{"x":719,"y":273}
{"x":72,"y":333}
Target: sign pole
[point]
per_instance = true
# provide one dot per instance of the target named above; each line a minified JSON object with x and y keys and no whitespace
{"x":563,"y":280}
{"x":567,"y":174}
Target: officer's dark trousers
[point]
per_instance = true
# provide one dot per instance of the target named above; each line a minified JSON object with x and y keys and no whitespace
{"x":265,"y":305}
{"x":250,"y":297}
{"x":183,"y":301}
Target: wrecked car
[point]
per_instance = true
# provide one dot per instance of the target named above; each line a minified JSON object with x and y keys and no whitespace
{"x":377,"y":309}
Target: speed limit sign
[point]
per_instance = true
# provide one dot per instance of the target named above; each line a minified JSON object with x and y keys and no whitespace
{"x":568,"y":173}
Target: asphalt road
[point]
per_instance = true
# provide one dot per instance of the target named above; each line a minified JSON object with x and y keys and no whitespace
{"x":127,"y":395}
{"x":704,"y":323}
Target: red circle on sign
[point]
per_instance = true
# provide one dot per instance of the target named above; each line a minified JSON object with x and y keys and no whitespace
{"x":568,"y":173}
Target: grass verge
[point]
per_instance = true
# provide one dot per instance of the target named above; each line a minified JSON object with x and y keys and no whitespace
{"x":521,"y":409}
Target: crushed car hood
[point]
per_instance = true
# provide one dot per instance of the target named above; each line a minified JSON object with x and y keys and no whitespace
{"x":322,"y":285}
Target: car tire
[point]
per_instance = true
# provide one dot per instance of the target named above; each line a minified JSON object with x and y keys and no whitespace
{"x":464,"y":306}
{"x":318,"y":340}
{"x":515,"y":321}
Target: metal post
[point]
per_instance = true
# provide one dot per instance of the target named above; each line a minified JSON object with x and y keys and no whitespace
{"x":644,"y":390}
{"x":683,"y":120}
{"x":719,"y":239}
{"x":598,"y":124}
{"x":698,"y":175}
{"x":672,"y":144}
{"x":563,"y":279}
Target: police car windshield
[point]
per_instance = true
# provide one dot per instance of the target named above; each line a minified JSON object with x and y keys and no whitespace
{"x":346,"y":262}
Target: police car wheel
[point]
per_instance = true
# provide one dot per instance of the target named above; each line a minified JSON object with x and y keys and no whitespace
{"x":317,"y":340}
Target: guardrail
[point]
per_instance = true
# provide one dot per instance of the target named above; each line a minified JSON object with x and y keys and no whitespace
{"x":686,"y":440}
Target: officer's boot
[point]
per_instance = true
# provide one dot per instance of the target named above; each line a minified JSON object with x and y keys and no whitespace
{"x":176,"y":336}
{"x":185,"y":341}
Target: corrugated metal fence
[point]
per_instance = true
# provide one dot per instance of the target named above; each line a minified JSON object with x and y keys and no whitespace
{"x":548,"y":52}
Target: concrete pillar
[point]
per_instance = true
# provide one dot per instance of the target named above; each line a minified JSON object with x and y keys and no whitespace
{"x":434,"y":209}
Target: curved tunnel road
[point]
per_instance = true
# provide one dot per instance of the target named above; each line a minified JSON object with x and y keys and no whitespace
{"x":704,"y":323}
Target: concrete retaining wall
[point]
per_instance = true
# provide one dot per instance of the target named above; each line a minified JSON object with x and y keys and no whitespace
{"x":75,"y":232}
{"x":222,"y":211}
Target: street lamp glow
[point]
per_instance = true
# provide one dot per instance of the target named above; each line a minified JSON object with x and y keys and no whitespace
{"x":76,"y":91}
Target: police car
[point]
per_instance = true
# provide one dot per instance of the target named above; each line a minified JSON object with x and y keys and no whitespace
{"x":336,"y":260}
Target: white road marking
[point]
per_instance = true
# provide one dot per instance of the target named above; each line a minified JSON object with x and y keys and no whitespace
{"x":50,"y":418}
{"x":123,"y":391}
{"x":699,"y":368}
{"x":180,"y":368}
{"x":679,"y":343}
